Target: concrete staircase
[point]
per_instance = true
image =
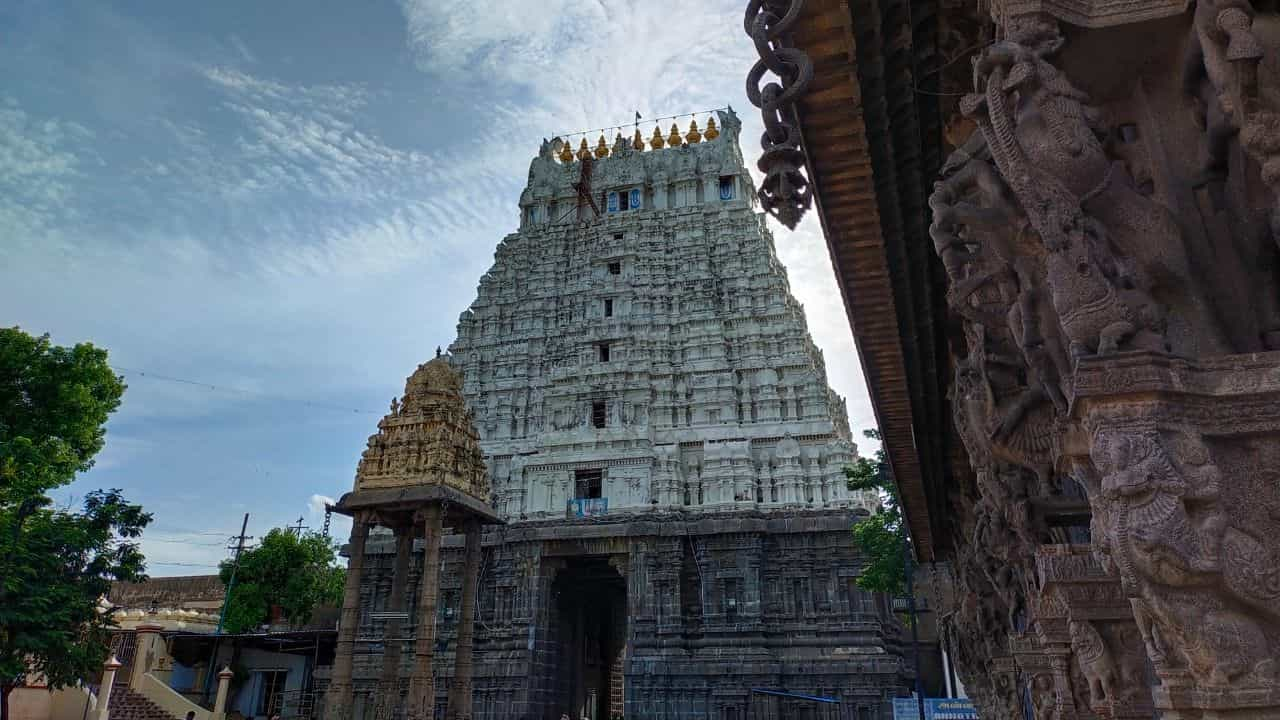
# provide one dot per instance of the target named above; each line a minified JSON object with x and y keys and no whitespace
{"x":129,"y":705}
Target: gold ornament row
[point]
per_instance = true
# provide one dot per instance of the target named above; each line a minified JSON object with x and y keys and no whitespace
{"x":657,"y":142}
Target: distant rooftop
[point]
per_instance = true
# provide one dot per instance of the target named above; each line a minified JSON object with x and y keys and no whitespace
{"x":170,"y":592}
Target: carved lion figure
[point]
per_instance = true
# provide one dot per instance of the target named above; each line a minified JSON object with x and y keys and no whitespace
{"x":1095,"y":662}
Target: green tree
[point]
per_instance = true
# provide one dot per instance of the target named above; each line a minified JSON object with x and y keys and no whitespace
{"x":55,"y":563}
{"x":295,"y":571}
{"x":880,"y":537}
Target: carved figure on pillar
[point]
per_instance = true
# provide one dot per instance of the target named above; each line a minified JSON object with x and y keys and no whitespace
{"x":1167,"y":534}
{"x":1095,"y":662}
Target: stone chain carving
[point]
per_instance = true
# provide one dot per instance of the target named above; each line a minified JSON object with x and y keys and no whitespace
{"x":785,"y":192}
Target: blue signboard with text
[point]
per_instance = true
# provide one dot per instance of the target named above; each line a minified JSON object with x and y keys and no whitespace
{"x":905,"y":709}
{"x":934,"y":709}
{"x":949,"y":709}
{"x":588,"y":507}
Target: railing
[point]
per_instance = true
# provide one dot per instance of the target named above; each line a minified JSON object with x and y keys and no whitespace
{"x":124,"y":645}
{"x":294,"y":704}
{"x":781,"y":705}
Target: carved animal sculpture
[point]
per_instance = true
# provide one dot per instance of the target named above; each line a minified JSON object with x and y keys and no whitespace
{"x":1173,"y":565}
{"x":1096,"y":315}
{"x":1152,"y":491}
{"x":1218,"y":645}
{"x":1047,"y":148}
{"x":1095,"y":662}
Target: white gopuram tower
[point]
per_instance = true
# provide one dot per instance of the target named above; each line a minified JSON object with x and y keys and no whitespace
{"x":650,"y":358}
{"x":661,"y":440}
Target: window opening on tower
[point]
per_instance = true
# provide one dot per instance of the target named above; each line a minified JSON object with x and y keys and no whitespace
{"x":588,"y":484}
{"x":608,"y":307}
{"x":597,"y":413}
{"x":604,"y":352}
{"x":615,"y":268}
{"x":726,"y":187}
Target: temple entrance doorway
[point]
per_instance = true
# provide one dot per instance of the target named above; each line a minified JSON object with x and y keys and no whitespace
{"x":591,"y":638}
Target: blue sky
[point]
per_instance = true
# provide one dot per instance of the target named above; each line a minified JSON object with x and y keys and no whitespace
{"x":293,"y":201}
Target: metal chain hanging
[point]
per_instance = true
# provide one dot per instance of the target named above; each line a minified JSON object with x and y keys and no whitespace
{"x":785,"y":193}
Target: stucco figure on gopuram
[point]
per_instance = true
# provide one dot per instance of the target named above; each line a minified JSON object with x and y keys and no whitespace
{"x":1109,"y":231}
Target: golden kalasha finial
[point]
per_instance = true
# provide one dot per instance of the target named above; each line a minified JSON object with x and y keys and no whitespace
{"x":694,"y":136}
{"x":674,"y":139}
{"x":566,"y":155}
{"x":584,"y":153}
{"x":656,"y":142}
{"x":637,"y":142}
{"x":712,"y":131}
{"x":602,"y":149}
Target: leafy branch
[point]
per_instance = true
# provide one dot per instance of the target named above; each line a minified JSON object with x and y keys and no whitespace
{"x":880,"y":537}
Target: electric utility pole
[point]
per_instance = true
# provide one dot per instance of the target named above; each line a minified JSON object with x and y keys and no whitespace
{"x":226,"y":600}
{"x":909,"y":567}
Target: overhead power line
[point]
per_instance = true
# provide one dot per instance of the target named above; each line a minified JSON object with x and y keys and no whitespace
{"x":149,"y":375}
{"x":219,"y":543}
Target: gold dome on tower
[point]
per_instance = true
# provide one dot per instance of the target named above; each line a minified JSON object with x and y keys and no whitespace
{"x":656,"y":142}
{"x":637,"y":142}
{"x":674,"y":139}
{"x":712,"y":131}
{"x":694,"y":137}
{"x":566,"y":154}
{"x":602,"y":148}
{"x":584,"y":152}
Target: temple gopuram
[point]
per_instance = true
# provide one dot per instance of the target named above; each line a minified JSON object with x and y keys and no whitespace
{"x":1055,"y":225}
{"x":635,"y":407}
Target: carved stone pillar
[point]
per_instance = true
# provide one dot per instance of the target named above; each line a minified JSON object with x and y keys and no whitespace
{"x":460,"y":691}
{"x":1089,"y":253}
{"x":1185,"y":506}
{"x":337,"y":704}
{"x":1083,"y":611}
{"x":422,"y":683}
{"x":389,"y":683}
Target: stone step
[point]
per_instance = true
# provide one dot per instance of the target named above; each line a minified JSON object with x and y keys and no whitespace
{"x":128,"y":705}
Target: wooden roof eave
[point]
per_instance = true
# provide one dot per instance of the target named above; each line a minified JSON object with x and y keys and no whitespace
{"x":845,"y":196}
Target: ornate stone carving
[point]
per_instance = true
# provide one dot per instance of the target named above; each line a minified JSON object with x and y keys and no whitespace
{"x":1095,"y":662}
{"x":1088,"y":13}
{"x":427,"y":439}
{"x":1167,"y":531}
{"x":1074,"y":234}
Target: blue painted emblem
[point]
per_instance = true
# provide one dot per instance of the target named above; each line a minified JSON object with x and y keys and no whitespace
{"x":635,"y":198}
{"x":726,"y":188}
{"x":613,"y":202}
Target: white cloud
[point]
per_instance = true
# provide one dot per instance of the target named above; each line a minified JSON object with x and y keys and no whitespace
{"x":39,"y":164}
{"x":587,"y":63}
{"x":317,"y":504}
{"x":242,"y":49}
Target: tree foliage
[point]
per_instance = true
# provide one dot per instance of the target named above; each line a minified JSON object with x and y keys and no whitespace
{"x":295,"y":571}
{"x":882,"y":536}
{"x":55,"y":563}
